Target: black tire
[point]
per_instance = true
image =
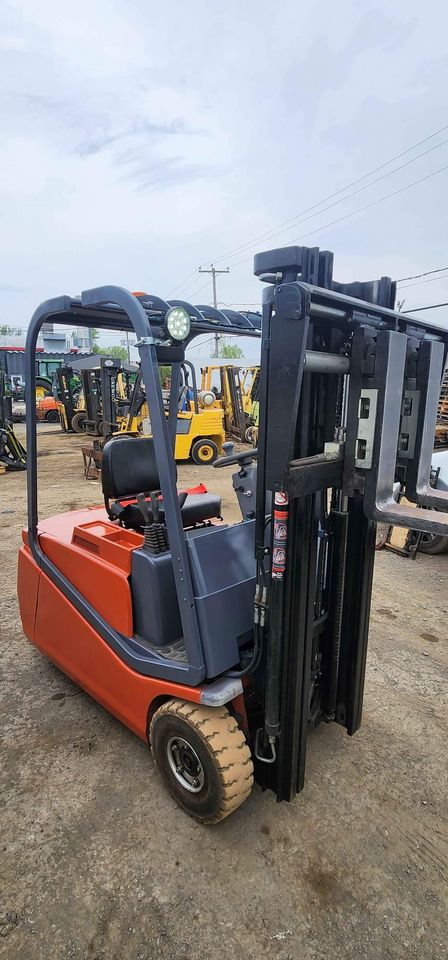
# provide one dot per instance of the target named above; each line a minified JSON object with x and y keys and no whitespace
{"x":433,"y":544}
{"x":204,"y":452}
{"x":78,"y":421}
{"x":52,"y":416}
{"x":202,"y":757}
{"x":43,"y":387}
{"x":251,"y":435}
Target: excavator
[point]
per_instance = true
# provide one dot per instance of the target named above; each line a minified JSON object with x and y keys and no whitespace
{"x":223,"y":645}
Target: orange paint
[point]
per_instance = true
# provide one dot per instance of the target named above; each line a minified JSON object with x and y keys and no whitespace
{"x":63,"y":635}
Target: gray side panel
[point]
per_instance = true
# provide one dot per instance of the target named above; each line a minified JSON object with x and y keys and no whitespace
{"x":154,"y":599}
{"x":223,"y":572}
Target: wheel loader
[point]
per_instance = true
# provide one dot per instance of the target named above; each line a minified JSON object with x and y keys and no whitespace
{"x":223,"y":646}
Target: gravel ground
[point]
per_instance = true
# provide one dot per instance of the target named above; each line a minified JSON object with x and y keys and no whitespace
{"x":98,"y":863}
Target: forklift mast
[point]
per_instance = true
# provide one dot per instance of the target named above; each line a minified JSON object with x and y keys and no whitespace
{"x":348,"y":404}
{"x":64,"y":391}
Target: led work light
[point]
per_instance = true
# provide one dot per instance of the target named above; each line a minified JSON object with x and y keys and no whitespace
{"x":178,"y":323}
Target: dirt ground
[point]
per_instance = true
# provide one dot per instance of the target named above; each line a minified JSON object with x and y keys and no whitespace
{"x":98,"y":863}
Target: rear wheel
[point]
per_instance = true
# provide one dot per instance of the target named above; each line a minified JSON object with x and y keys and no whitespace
{"x":432,"y":544}
{"x":78,"y":421}
{"x":251,"y":435}
{"x":43,"y":388}
{"x":202,"y":757}
{"x":204,"y":451}
{"x":52,"y":416}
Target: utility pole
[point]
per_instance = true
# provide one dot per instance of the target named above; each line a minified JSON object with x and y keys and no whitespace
{"x":213,"y":272}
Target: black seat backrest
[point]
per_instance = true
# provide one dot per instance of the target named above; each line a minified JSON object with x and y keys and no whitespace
{"x":129,"y":467}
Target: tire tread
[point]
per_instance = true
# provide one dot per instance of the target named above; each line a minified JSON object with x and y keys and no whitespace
{"x":227,"y":744}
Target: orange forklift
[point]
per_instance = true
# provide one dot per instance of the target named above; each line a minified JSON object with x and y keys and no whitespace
{"x":225,"y":646}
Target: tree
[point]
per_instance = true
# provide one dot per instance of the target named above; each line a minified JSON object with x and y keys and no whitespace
{"x":118,"y":353}
{"x":6,"y":331}
{"x":230,"y":351}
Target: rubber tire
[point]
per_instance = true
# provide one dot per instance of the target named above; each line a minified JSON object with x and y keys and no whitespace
{"x":196,"y":448}
{"x":52,"y":416}
{"x":435,"y":546}
{"x":251,"y":435}
{"x":77,"y":421}
{"x":43,"y":388}
{"x":222,"y":749}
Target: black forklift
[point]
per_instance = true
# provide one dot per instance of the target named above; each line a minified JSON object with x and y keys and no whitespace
{"x":225,"y":645}
{"x":106,"y":387}
{"x":12,"y":452}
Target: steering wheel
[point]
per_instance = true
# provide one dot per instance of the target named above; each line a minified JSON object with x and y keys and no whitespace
{"x":243,"y":458}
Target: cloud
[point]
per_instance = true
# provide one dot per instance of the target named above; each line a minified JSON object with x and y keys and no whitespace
{"x":140,"y":140}
{"x":150,"y":132}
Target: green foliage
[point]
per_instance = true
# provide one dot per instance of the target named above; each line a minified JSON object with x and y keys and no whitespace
{"x":6,"y":331}
{"x":119,"y":353}
{"x":164,"y":372}
{"x":230,"y":351}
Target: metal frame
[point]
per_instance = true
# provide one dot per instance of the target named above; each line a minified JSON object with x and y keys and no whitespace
{"x":334,"y":371}
{"x":112,"y":307}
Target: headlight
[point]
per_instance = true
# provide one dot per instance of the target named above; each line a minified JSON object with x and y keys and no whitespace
{"x":178,"y":323}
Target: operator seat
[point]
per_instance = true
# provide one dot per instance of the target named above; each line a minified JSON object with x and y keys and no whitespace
{"x":128,"y":468}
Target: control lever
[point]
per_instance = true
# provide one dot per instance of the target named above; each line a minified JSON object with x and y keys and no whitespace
{"x":144,"y":509}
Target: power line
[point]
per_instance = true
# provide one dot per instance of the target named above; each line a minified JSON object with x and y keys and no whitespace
{"x":425,"y":274}
{"x":421,"y":282}
{"x":353,"y":183}
{"x":194,"y":292}
{"x":179,"y":285}
{"x":367,"y":206}
{"x":356,"y":192}
{"x":432,"y":306}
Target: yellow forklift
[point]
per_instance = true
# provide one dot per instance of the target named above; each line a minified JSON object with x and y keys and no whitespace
{"x":236,"y":405}
{"x":200,"y":430}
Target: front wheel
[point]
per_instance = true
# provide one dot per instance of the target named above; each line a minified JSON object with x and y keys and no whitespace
{"x":79,"y":421}
{"x":202,"y":757}
{"x":251,"y":435}
{"x":204,"y":451}
{"x":433,"y":544}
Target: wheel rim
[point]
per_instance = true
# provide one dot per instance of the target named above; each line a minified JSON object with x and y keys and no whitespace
{"x":185,"y":764}
{"x":205,"y":453}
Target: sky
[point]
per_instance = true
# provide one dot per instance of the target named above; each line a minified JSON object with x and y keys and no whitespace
{"x":140,"y":140}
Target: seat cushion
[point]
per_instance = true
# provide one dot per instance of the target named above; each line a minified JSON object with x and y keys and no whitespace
{"x":197,"y":508}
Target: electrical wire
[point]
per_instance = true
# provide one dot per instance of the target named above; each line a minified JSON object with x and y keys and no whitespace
{"x":181,"y":284}
{"x":366,"y":206}
{"x":417,"y":276}
{"x":353,"y":183}
{"x":194,"y":292}
{"x":432,"y":306}
{"x":420,"y":282}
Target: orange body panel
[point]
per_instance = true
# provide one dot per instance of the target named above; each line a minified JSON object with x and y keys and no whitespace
{"x":70,"y":642}
{"x":103,"y":585}
{"x":43,"y":405}
{"x":78,"y":543}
